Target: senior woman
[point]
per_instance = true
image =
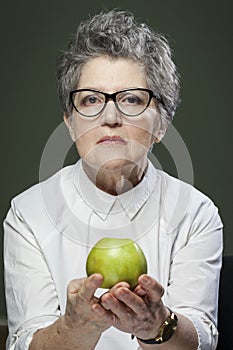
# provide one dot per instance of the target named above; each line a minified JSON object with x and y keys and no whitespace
{"x":119,"y":89}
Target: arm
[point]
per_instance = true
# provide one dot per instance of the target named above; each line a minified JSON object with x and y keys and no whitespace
{"x":83,"y":322}
{"x":32,"y":301}
{"x":31,"y":297}
{"x":194,"y":274}
{"x":185,"y":337}
{"x":192,"y":290}
{"x":141,"y":312}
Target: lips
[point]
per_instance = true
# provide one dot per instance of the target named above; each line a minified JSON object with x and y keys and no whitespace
{"x":114,"y":139}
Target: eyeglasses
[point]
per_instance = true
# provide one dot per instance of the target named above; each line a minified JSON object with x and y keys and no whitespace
{"x":131,"y":102}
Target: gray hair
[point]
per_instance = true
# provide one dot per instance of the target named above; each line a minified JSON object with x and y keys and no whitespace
{"x":118,"y":35}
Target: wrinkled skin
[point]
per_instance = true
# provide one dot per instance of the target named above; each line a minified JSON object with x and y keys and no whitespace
{"x":139,"y":312}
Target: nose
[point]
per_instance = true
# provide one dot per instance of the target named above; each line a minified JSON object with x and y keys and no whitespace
{"x":110,"y":115}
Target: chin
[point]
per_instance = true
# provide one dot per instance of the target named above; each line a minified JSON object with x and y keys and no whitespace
{"x":115,"y":158}
{"x":116,"y":164}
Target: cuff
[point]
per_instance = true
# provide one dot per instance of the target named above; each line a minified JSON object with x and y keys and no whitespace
{"x":21,"y":339}
{"x":206,"y":331}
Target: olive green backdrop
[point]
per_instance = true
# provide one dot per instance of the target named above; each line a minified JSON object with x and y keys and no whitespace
{"x":33,"y":32}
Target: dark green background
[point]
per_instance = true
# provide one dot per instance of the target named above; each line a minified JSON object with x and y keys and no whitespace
{"x":33,"y":32}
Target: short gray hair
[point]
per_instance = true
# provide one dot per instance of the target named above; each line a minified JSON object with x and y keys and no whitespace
{"x":118,"y":35}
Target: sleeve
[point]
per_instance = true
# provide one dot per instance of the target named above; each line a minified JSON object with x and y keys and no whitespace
{"x":31,"y":297}
{"x":195,"y":271}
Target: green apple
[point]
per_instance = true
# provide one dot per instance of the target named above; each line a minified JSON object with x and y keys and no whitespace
{"x":117,"y":259}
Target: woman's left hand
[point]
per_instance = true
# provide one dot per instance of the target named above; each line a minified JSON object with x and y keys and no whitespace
{"x":140,"y":311}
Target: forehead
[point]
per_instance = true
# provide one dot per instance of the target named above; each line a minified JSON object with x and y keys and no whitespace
{"x":109,"y":75}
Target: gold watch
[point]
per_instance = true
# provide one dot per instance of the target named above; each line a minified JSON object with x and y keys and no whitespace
{"x":166,"y":330}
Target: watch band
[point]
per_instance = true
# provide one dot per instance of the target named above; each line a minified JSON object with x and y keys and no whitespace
{"x":166,"y":330}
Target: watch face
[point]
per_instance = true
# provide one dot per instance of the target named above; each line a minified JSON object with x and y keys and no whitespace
{"x":170,"y":328}
{"x":166,"y":331}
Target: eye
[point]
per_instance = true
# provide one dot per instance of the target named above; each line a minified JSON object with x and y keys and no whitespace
{"x":91,"y":100}
{"x":131,"y":100}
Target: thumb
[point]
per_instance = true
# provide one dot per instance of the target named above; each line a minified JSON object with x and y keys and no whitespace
{"x":85,"y":287}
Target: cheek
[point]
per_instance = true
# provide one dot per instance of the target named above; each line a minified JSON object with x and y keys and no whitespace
{"x":84,"y":136}
{"x":143,"y":133}
{"x":142,"y":137}
{"x":85,"y":143}
{"x":81,"y":128}
{"x":147,"y":128}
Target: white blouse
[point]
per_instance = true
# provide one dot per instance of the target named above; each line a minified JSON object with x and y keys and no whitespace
{"x":52,"y":226}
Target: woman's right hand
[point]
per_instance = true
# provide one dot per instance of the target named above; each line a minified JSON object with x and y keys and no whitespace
{"x":84,"y":314}
{"x":83,"y":322}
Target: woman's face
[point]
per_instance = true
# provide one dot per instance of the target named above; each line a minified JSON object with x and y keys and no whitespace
{"x":111,"y":139}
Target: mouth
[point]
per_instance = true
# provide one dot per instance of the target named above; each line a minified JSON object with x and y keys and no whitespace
{"x":111,"y":140}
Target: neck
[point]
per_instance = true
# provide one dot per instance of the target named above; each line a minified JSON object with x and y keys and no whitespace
{"x":116,"y":181}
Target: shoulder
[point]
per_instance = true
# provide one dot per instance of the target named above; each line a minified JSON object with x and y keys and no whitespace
{"x":42,"y":204}
{"x":182,"y":202}
{"x":52,"y":185}
{"x":175,"y":187}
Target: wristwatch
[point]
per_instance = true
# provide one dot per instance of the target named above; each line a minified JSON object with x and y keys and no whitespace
{"x":166,"y":330}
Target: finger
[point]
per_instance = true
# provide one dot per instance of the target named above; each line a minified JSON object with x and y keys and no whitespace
{"x":85,"y":287}
{"x":119,"y":285}
{"x":114,"y":288}
{"x":106,"y":300}
{"x":131,"y":300}
{"x":103,"y":314}
{"x":90,"y":285}
{"x":154,"y":289}
{"x":111,"y":303}
{"x":140,"y":291}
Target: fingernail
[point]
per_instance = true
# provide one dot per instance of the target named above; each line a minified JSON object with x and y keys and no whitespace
{"x":145,"y":280}
{"x":96,"y":279}
{"x":123,"y":292}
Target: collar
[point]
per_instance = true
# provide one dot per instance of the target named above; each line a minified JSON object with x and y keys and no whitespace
{"x":102,"y":203}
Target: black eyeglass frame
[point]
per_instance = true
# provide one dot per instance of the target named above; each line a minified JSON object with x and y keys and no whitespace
{"x":113,"y":97}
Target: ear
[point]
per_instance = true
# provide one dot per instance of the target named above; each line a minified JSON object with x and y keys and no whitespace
{"x":162,"y":130}
{"x":68,"y":122}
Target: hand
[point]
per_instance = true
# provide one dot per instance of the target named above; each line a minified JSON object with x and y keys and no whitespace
{"x":139,"y":312}
{"x":83,"y":311}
